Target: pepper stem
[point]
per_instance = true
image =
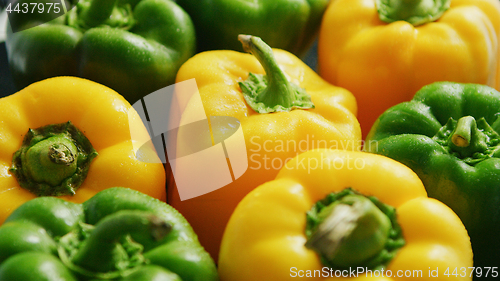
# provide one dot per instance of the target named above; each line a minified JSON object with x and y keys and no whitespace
{"x":353,"y":231}
{"x":53,"y":160}
{"x":467,"y":139}
{"x":273,"y":92}
{"x":461,"y":137}
{"x":95,"y":12}
{"x":416,"y":12}
{"x":92,"y":13}
{"x":101,"y":251}
{"x":347,"y":229}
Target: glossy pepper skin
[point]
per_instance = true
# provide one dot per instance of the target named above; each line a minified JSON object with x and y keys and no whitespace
{"x":384,"y":64}
{"x":118,"y":234}
{"x":270,"y":138}
{"x":283,"y":24}
{"x":102,"y":115}
{"x":135,"y":51}
{"x":270,"y":223}
{"x":448,"y":135}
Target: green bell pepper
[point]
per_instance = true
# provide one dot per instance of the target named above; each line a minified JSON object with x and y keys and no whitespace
{"x":284,"y":24}
{"x":448,"y":135}
{"x":132,"y":46}
{"x":119,"y":234}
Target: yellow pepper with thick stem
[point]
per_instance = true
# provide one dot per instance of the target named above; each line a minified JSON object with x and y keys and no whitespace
{"x":46,"y":130}
{"x":271,"y":138}
{"x":329,"y":212}
{"x":384,"y":51}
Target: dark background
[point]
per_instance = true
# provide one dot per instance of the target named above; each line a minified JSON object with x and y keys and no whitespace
{"x":6,"y":85}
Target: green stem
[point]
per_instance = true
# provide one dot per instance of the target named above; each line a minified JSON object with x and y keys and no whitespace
{"x":348,"y":229}
{"x":461,"y":137}
{"x":101,"y":252}
{"x":96,"y":12}
{"x":416,"y":12}
{"x":277,"y":83}
{"x":273,"y":92}
{"x":467,"y":139}
{"x":53,"y":160}
{"x":353,"y":231}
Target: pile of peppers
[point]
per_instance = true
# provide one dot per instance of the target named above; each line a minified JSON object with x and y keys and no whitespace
{"x":383,"y":162}
{"x":77,"y":202}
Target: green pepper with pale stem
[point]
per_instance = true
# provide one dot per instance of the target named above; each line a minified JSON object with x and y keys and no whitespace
{"x":448,"y":135}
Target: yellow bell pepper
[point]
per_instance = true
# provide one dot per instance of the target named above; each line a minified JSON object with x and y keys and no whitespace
{"x":271,"y":138}
{"x":333,"y":213}
{"x":385,"y":51}
{"x":70,"y":137}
